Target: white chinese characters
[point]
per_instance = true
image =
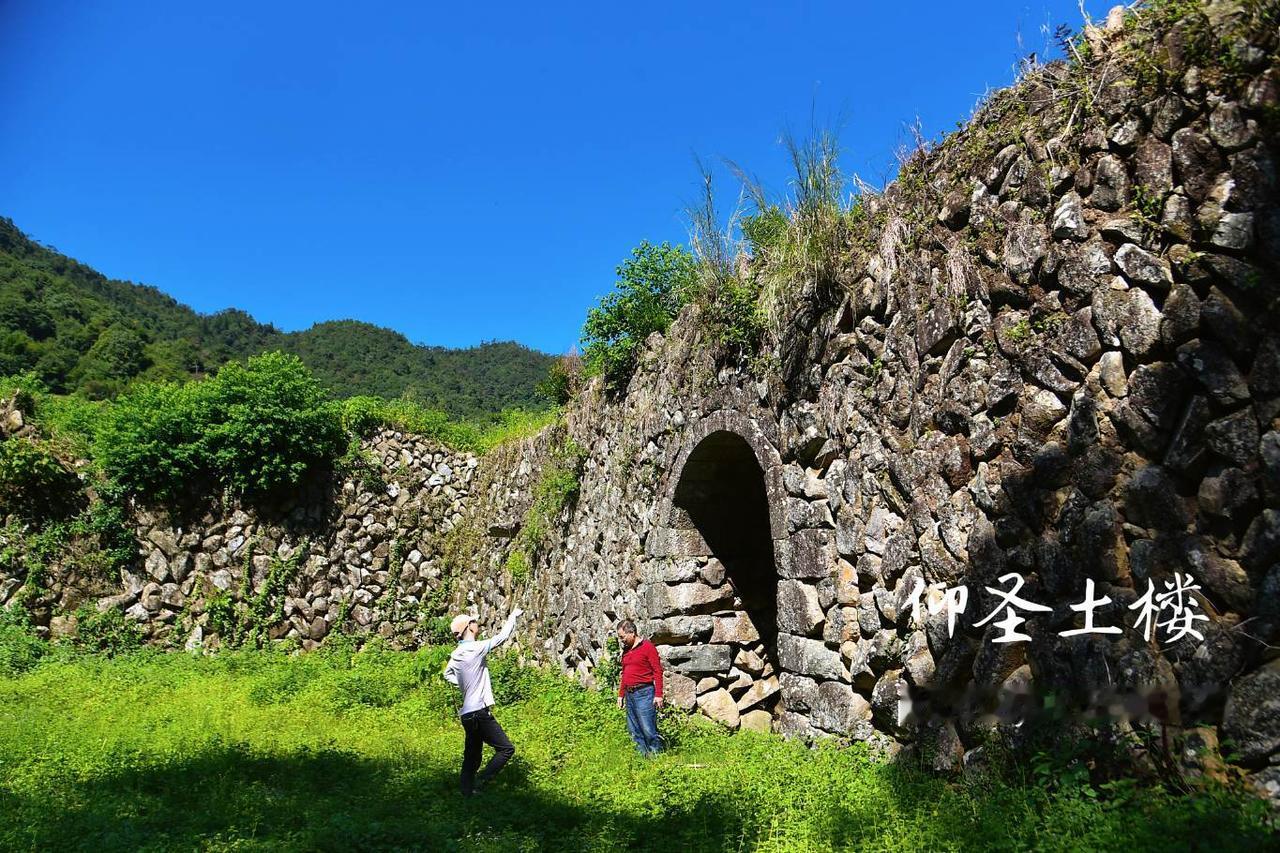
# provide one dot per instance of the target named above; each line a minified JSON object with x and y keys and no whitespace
{"x":1177,"y":602}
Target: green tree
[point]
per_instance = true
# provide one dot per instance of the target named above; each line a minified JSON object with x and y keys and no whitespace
{"x":171,"y":361}
{"x":151,"y":445}
{"x":268,"y":424}
{"x":33,"y":482}
{"x":252,"y":429}
{"x":563,"y":379}
{"x":21,"y":310}
{"x":55,"y":364}
{"x":652,"y":286}
{"x":18,"y":353}
{"x":117,"y":354}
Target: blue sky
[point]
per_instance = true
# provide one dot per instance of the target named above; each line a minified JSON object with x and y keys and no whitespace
{"x":458,"y":174}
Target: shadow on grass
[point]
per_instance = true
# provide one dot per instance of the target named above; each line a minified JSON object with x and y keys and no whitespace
{"x":229,"y":797}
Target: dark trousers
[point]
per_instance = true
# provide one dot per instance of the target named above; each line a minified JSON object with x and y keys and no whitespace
{"x":482,"y":728}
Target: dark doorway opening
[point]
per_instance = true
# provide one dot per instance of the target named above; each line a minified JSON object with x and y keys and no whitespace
{"x":722,"y":494}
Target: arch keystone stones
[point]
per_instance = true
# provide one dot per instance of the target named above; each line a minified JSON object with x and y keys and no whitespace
{"x":669,"y":538}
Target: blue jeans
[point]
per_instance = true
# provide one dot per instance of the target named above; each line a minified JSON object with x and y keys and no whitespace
{"x":642,"y":720}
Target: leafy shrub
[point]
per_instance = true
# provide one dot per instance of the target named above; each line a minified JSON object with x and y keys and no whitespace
{"x":512,"y":425}
{"x":267,"y":425}
{"x":278,"y":684}
{"x":117,"y":355}
{"x":33,"y":483}
{"x":223,"y":616}
{"x":71,"y":423}
{"x":110,"y":632}
{"x":435,"y":631}
{"x":735,"y":318}
{"x":511,"y":681}
{"x":805,"y":235}
{"x":371,"y":687}
{"x":652,"y":286}
{"x":517,"y":564}
{"x":246,"y":623}
{"x":363,"y":416}
{"x":20,"y":648}
{"x":108,"y":520}
{"x":151,"y":443}
{"x":727,"y":294}
{"x":252,"y":430}
{"x":359,"y":465}
{"x":23,"y":389}
{"x":563,"y":380}
{"x":609,"y":668}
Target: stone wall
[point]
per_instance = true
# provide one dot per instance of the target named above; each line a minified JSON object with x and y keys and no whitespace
{"x":365,"y":551}
{"x":1058,"y":360}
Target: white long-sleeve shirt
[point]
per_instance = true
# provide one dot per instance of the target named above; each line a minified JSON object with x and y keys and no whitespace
{"x":468,"y":670}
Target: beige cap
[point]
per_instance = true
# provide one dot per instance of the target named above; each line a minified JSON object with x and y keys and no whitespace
{"x":460,"y":623}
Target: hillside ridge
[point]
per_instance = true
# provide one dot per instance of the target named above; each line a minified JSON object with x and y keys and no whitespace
{"x":79,"y":330}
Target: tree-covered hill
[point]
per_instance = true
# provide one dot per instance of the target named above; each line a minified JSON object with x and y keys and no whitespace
{"x":81,"y":331}
{"x":352,"y":357}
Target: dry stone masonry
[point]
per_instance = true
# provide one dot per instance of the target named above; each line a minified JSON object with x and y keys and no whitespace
{"x":1057,"y":357}
{"x":364,"y":551}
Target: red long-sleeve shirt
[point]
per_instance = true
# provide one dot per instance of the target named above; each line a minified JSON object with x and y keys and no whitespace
{"x":640,"y":665}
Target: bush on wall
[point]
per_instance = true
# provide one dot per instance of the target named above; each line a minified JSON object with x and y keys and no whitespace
{"x":652,"y":286}
{"x":34,"y":485}
{"x":251,"y":430}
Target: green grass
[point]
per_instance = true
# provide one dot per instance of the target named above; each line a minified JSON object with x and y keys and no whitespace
{"x":258,"y":751}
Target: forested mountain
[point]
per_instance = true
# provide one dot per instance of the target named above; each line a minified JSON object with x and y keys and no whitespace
{"x":81,"y":331}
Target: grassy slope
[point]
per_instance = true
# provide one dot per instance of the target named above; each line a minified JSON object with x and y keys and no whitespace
{"x":254,"y":751}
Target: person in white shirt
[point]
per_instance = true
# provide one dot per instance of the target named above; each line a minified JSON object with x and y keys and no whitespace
{"x":469,"y":671}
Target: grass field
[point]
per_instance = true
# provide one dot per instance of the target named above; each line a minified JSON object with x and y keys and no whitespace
{"x":332,"y":751}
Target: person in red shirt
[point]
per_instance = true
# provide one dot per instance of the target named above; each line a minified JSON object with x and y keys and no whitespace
{"x":640,"y":688}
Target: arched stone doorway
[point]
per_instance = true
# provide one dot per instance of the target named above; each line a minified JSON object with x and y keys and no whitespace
{"x":712,"y":604}
{"x":721,"y":494}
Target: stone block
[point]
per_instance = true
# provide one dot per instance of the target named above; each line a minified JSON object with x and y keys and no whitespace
{"x":798,"y":692}
{"x":1251,"y":719}
{"x":679,"y":691}
{"x":157,"y":566}
{"x":846,"y":584}
{"x":809,"y":657}
{"x":677,"y":630}
{"x":799,"y":611}
{"x":696,"y":659}
{"x":795,"y":726}
{"x":750,"y":661}
{"x":719,"y":706}
{"x":840,"y":710}
{"x":758,"y":692}
{"x":686,"y":598}
{"x":737,"y":628}
{"x":812,"y":555}
{"x":890,"y":706}
{"x":674,"y":542}
{"x":756,"y":721}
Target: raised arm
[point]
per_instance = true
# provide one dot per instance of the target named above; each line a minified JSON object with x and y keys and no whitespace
{"x":505,"y":634}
